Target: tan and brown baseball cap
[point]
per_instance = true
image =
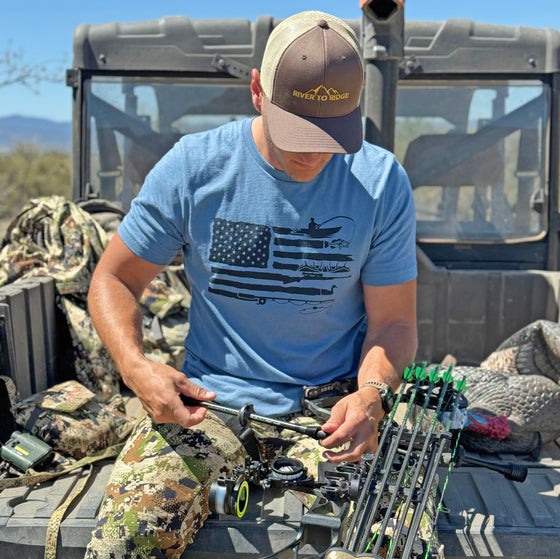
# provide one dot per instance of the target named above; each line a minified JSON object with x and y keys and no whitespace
{"x":312,"y":77}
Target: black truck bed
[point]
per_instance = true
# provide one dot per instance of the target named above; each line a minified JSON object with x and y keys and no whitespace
{"x":484,"y":515}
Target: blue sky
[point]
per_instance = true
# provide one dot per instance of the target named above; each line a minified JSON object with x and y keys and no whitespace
{"x":43,"y":31}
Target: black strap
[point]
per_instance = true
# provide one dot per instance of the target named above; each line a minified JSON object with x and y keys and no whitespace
{"x":317,"y":401}
{"x":320,"y":408}
{"x":32,"y":419}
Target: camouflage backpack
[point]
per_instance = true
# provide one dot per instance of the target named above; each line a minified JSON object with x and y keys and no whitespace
{"x":53,"y":236}
{"x":70,"y":418}
{"x":78,"y":427}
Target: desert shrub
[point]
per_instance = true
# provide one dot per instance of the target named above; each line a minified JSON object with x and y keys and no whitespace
{"x":28,"y":171}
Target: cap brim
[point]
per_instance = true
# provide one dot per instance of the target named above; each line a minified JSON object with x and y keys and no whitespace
{"x":290,"y":132}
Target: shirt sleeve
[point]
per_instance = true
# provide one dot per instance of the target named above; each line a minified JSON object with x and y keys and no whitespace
{"x":392,"y":255}
{"x":153,"y":227}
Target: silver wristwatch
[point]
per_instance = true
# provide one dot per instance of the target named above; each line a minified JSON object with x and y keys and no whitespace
{"x":386,"y":393}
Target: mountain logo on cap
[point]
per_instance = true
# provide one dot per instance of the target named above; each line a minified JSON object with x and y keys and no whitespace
{"x":321,"y":93}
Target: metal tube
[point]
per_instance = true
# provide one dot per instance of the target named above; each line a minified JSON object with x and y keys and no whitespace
{"x":383,"y":49}
{"x":380,"y":102}
{"x":314,"y":432}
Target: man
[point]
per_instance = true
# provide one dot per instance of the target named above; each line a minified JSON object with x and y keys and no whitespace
{"x":299,"y":243}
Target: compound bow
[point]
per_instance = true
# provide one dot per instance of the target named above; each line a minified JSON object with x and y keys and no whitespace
{"x":383,"y":507}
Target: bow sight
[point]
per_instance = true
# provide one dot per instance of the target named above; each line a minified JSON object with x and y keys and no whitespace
{"x":386,"y":505}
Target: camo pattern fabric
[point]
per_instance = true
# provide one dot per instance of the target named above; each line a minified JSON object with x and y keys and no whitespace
{"x":94,"y":366}
{"x":275,"y":441}
{"x":70,"y":418}
{"x":164,"y":340}
{"x":160,"y":300}
{"x":157,"y":496}
{"x":165,"y":304}
{"x":52,"y":236}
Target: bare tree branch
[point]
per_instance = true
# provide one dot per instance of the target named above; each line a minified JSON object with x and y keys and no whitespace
{"x":14,"y":69}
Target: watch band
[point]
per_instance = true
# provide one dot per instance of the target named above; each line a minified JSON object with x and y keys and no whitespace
{"x":386,"y":393}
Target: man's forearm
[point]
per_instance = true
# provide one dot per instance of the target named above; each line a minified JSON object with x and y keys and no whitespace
{"x":115,"y":290}
{"x":387,"y":353}
{"x":117,"y":318}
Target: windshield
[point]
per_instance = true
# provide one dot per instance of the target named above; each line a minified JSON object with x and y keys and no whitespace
{"x":474,"y":154}
{"x":474,"y":151}
{"x":132,"y":123}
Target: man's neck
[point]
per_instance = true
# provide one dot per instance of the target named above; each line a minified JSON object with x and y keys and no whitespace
{"x":257,"y":131}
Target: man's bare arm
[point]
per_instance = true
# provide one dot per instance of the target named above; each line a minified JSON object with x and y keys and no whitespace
{"x":116,"y":287}
{"x":389,"y":347}
{"x":391,"y":340}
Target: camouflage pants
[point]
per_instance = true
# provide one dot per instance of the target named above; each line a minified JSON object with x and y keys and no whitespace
{"x":157,"y":496}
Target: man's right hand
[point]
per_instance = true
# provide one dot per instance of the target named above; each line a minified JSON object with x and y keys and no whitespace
{"x":159,"y":387}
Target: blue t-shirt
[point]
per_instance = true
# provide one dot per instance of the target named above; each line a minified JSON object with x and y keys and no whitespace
{"x":276,"y":266}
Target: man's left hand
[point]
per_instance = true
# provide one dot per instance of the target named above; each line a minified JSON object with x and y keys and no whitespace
{"x":354,"y":420}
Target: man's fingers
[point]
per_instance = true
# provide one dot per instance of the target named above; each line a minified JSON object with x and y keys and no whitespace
{"x":350,"y":454}
{"x":186,"y":416}
{"x":189,"y":388}
{"x":191,"y":414}
{"x":338,"y":438}
{"x":195,"y":415}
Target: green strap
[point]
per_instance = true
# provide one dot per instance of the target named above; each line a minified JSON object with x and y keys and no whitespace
{"x":56,"y":518}
{"x":32,"y":477}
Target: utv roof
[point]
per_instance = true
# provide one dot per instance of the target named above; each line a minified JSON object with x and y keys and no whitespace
{"x":180,"y":44}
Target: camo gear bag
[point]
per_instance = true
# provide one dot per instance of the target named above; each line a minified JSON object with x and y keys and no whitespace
{"x":72,"y":420}
{"x":53,"y":237}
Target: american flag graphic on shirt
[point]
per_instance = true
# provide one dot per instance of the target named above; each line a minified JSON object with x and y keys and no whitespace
{"x":258,"y":263}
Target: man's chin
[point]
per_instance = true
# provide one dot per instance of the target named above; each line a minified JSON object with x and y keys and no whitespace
{"x":303,"y":175}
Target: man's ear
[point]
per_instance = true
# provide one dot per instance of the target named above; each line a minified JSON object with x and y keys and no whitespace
{"x":256,"y":90}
